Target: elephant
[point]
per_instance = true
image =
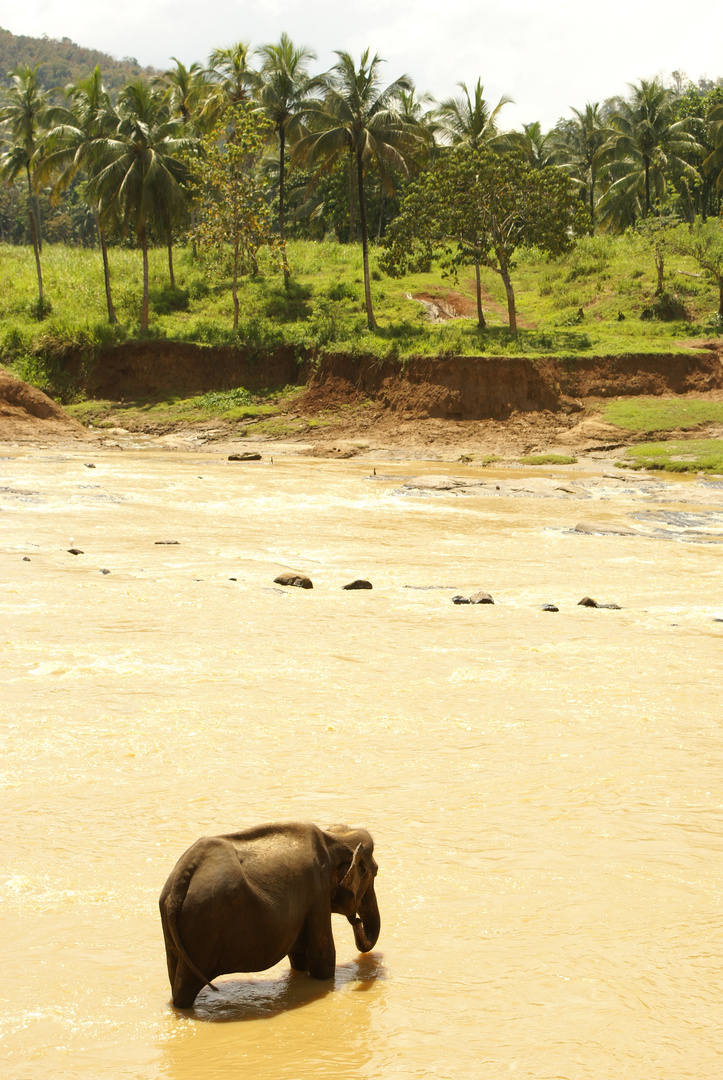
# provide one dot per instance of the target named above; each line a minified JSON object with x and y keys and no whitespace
{"x":242,"y":901}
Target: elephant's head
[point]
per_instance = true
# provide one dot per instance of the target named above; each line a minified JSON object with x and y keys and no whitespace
{"x":352,"y":884}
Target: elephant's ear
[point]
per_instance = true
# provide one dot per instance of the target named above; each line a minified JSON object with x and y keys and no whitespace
{"x":356,"y":876}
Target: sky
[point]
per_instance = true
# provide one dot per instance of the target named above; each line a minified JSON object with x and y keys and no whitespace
{"x":547,"y":55}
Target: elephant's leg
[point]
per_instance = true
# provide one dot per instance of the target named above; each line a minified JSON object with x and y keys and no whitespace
{"x":297,"y":954}
{"x":186,"y":986}
{"x":298,"y":961}
{"x":320,"y":948}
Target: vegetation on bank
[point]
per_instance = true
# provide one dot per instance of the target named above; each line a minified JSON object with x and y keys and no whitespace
{"x":676,"y":455}
{"x":591,"y":301}
{"x":668,"y":414}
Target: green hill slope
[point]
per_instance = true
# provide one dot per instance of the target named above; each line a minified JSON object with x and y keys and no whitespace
{"x":62,"y":62}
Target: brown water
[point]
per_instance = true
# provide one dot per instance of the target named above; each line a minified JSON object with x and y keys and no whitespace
{"x":545,"y":790}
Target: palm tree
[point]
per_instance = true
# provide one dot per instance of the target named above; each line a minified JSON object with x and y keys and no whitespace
{"x":185,"y":89}
{"x":714,"y":161}
{"x":470,"y":120}
{"x":72,"y":145}
{"x":650,"y":144}
{"x":584,"y":148}
{"x":284,"y":86}
{"x":539,"y":149}
{"x":23,"y":112}
{"x":230,"y":79}
{"x":143,"y":172}
{"x":360,"y":120}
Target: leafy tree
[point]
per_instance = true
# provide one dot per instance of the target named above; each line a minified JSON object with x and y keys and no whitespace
{"x":144,"y":169}
{"x":469,"y":120}
{"x":658,"y":233}
{"x":362,"y":121}
{"x":713,"y":164}
{"x":703,"y":241}
{"x":477,"y":207}
{"x":234,"y":210}
{"x":650,"y":146}
{"x":283,"y":89}
{"x":22,"y":110}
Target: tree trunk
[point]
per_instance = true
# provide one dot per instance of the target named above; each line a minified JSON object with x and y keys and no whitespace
{"x":381,"y":214}
{"x":144,"y":306}
{"x":170,"y":260}
{"x":720,"y":297}
{"x":660,"y":267}
{"x":36,"y":249}
{"x":38,"y":222}
{"x":371,"y":321}
{"x":352,"y":224}
{"x":647,"y":186}
{"x":480,"y":314}
{"x":234,"y":281}
{"x":511,"y":310}
{"x":112,"y":317}
{"x":282,"y":225}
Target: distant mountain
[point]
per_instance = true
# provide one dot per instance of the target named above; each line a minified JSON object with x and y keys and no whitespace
{"x":62,"y":62}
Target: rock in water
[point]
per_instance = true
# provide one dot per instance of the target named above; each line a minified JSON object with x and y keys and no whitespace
{"x":481,"y":598}
{"x":301,"y":581}
{"x":587,"y":601}
{"x":360,"y":583}
{"x":461,"y":600}
{"x":549,"y":607}
{"x":248,"y":456}
{"x":75,"y":551}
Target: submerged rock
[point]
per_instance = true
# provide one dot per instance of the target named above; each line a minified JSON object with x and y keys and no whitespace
{"x":605,"y":528}
{"x":587,"y":601}
{"x":475,"y":598}
{"x":300,"y":581}
{"x":359,"y":583}
{"x":549,"y":607}
{"x":246,"y":456}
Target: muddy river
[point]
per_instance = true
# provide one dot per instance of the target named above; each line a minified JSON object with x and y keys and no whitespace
{"x":545,"y":789}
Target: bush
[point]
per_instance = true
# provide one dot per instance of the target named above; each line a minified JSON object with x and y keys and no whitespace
{"x":169,"y":299}
{"x":667,"y":307}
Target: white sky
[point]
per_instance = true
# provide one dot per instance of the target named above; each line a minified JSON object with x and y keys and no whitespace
{"x":545,"y":54}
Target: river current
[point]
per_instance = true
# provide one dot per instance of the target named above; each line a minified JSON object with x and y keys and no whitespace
{"x":545,"y":789}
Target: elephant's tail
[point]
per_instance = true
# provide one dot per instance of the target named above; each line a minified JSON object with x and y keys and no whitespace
{"x":170,"y":913}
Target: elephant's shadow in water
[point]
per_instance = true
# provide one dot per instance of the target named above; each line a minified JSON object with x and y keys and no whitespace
{"x":252,"y":998}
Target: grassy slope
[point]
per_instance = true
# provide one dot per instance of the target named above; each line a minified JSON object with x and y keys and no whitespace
{"x":605,"y":276}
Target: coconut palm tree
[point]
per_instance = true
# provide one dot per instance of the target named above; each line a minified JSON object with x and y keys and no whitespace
{"x":185,"y":90}
{"x":649,"y":145}
{"x":539,"y":149}
{"x":584,"y":149}
{"x":22,"y":109}
{"x":283,"y":88}
{"x":73,"y":144}
{"x":143,"y":171}
{"x":713,"y":163}
{"x":361,"y":120}
{"x":469,"y":120}
{"x":231,"y":81}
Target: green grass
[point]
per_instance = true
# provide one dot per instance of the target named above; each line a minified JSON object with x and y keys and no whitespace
{"x":678,"y":455}
{"x":548,"y":459}
{"x":662,"y":414}
{"x":230,"y":406}
{"x":323,"y":311}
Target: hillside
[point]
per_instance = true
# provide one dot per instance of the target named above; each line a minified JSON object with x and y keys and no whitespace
{"x":62,"y":62}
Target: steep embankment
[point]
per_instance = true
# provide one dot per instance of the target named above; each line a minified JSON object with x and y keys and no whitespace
{"x":27,"y":414}
{"x":482,"y":388}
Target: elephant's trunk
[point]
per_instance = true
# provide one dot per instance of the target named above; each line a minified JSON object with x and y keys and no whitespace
{"x":367,"y":923}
